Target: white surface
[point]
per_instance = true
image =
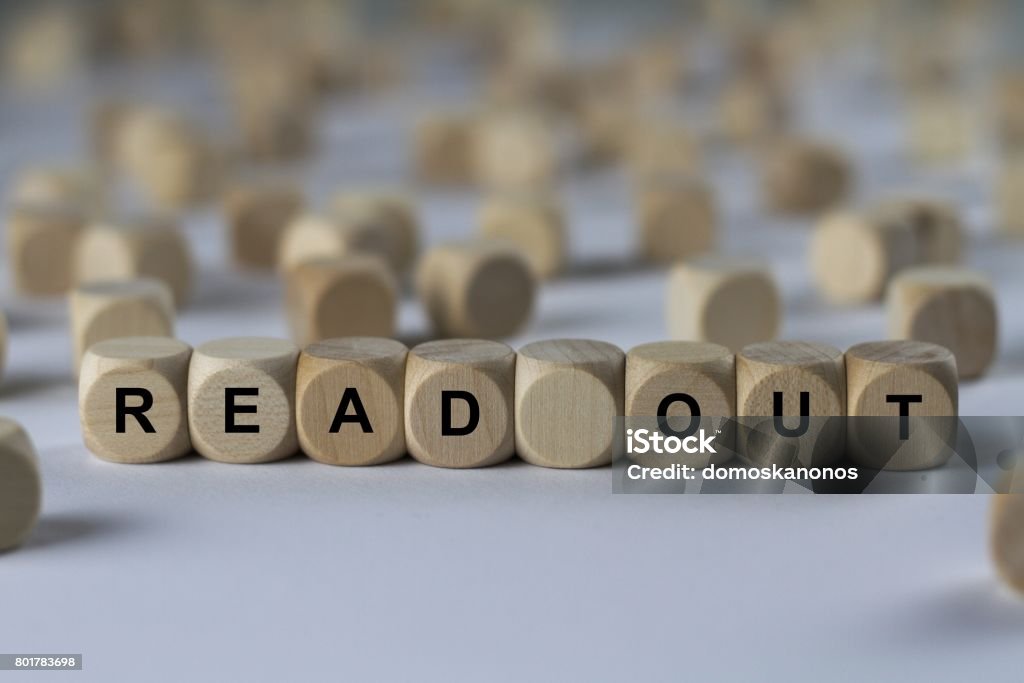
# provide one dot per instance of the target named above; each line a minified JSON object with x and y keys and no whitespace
{"x":201,"y":571}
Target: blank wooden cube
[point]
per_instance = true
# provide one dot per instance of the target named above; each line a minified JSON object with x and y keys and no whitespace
{"x":940,"y":128}
{"x":444,"y":149}
{"x":21,"y":488}
{"x":349,"y":396}
{"x":795,"y":380}
{"x":1006,"y":533}
{"x":41,"y":241}
{"x":854,"y":256}
{"x":476,"y":289}
{"x":659,"y":148}
{"x":273,"y":107}
{"x":751,"y":110}
{"x":889,"y":379}
{"x":384,"y":223}
{"x":1010,"y":198}
{"x":692,"y":384}
{"x":350,"y":296}
{"x":676,"y":217}
{"x":568,"y":394}
{"x":1009,"y":111}
{"x":78,"y":189}
{"x":241,"y":399}
{"x":132,"y":395}
{"x":949,"y":306}
{"x":147,"y":246}
{"x":533,"y":222}
{"x":936,"y":224}
{"x":103,"y":310}
{"x":458,"y":403}
{"x":257,"y":215}
{"x":516,"y":152}
{"x":724,"y":301}
{"x":803,"y":176}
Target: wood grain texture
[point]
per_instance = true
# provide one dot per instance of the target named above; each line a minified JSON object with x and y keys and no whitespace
{"x":791,"y":368}
{"x":949,"y":306}
{"x":484,"y":369}
{"x":353,"y":295}
{"x":805,"y":176}
{"x":676,"y":217}
{"x":257,"y":215}
{"x":443,"y":149}
{"x":372,"y":367}
{"x":41,"y":240}
{"x":876,"y":371}
{"x":706,"y":372}
{"x":133,"y":247}
{"x":723,"y":301}
{"x":158,"y":365}
{"x":21,"y":489}
{"x":568,"y":394}
{"x":534,"y":222}
{"x":382,"y":222}
{"x":264,"y":365}
{"x":854,"y":256}
{"x":476,"y":289}
{"x":141,"y":307}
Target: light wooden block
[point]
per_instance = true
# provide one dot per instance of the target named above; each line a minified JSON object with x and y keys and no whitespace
{"x":659,"y":148}
{"x":533,"y":222}
{"x":273,"y":107}
{"x":476,"y":289}
{"x":1006,"y":533}
{"x":384,"y":223}
{"x":79,"y":189}
{"x":723,"y":301}
{"x":21,"y":488}
{"x":941,"y":128}
{"x":751,"y":110}
{"x":568,"y":395}
{"x":1010,"y":198}
{"x":132,"y":395}
{"x":677,"y":218}
{"x":458,"y":403}
{"x":801,"y":381}
{"x":241,"y":399}
{"x":444,"y":149}
{"x":936,"y":224}
{"x":691,"y":384}
{"x":1009,"y":111}
{"x":516,"y":152}
{"x":41,"y":241}
{"x":145,"y":246}
{"x":257,"y":215}
{"x":949,"y":306}
{"x":804,"y":176}
{"x":878,"y":377}
{"x":379,"y":232}
{"x":854,"y":256}
{"x":351,"y":296}
{"x":349,"y":396}
{"x":3,"y":341}
{"x":104,"y":310}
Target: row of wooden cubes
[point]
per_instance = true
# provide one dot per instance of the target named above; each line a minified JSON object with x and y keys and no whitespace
{"x":473,"y":403}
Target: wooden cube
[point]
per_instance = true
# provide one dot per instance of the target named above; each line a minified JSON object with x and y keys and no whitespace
{"x":805,"y":176}
{"x":378,"y":232}
{"x":41,"y":241}
{"x":103,"y":310}
{"x":692,"y":385}
{"x":257,"y":214}
{"x":349,"y":396}
{"x":241,"y":399}
{"x":516,"y":152}
{"x":936,"y":224}
{"x":659,"y":148}
{"x":78,"y":189}
{"x":949,"y":306}
{"x":676,"y":217}
{"x":3,"y":340}
{"x":144,"y":246}
{"x":351,"y":296}
{"x":568,"y":394}
{"x":273,"y":108}
{"x":752,"y":110}
{"x":853,"y":256}
{"x":723,"y":301}
{"x":444,"y":149}
{"x":132,"y":395}
{"x":384,"y":223}
{"x":1010,"y":198}
{"x":902,"y":401}
{"x":476,"y":289}
{"x":533,"y":222}
{"x":806,"y":384}
{"x":21,"y":489}
{"x":941,"y":128}
{"x":458,"y":403}
{"x":1006,"y":535}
